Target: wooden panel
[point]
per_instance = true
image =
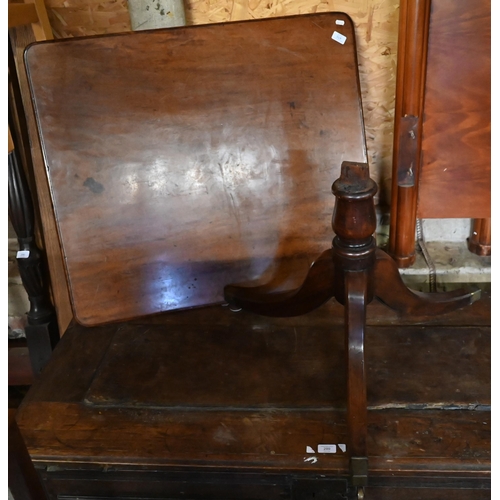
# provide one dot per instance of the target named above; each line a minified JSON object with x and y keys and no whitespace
{"x":430,"y":493}
{"x":153,"y":139}
{"x":441,"y":166}
{"x":122,"y":483}
{"x":428,"y":390}
{"x":455,"y":175}
{"x":428,"y":409}
{"x":102,"y":484}
{"x":82,"y":352}
{"x":289,"y":367}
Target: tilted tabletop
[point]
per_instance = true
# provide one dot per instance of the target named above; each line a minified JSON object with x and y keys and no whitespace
{"x":183,"y":159}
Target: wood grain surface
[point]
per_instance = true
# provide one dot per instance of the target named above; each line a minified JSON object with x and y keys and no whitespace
{"x":287,"y":367}
{"x":223,"y":405}
{"x":455,"y":178}
{"x":182,"y":160}
{"x":168,"y":403}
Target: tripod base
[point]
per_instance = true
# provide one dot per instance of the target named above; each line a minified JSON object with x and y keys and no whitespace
{"x":354,"y":272}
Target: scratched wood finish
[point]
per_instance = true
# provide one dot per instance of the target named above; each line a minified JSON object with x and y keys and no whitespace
{"x":308,"y":367}
{"x":226,"y":138}
{"x":87,"y":349}
{"x":280,"y":388}
{"x":456,"y":140}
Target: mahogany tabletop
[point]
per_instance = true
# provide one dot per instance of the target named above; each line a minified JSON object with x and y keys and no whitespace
{"x":184,"y":159}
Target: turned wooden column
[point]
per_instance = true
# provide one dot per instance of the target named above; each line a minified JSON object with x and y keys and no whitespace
{"x":412,"y":56}
{"x":42,"y":333}
{"x":354,"y":223}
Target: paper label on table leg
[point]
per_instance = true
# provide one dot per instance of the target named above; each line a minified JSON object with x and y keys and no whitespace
{"x":340,"y":22}
{"x":23,"y":254}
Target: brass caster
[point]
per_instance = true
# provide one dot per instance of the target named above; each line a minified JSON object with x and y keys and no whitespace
{"x":361,"y":493}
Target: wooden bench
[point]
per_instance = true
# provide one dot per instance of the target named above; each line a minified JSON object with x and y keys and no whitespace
{"x":192,"y":169}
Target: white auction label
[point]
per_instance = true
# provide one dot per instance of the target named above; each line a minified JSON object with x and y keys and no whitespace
{"x":340,"y":22}
{"x":327,"y":448}
{"x":339,"y":37}
{"x":23,"y":254}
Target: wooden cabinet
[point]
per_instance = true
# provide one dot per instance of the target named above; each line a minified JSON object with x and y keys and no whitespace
{"x":441,"y":165}
{"x":141,"y":411}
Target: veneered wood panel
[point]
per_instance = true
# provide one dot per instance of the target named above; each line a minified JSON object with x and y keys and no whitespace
{"x":456,"y":143}
{"x":288,"y":367}
{"x":181,"y":160}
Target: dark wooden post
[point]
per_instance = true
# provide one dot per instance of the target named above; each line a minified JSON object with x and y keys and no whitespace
{"x":42,"y":332}
{"x":354,"y":222}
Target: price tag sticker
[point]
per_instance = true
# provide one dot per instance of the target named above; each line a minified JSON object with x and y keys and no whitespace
{"x":327,"y":448}
{"x":340,"y":22}
{"x":339,"y":37}
{"x":23,"y":254}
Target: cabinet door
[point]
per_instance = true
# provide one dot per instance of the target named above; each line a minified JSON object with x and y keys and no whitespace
{"x":441,"y":165}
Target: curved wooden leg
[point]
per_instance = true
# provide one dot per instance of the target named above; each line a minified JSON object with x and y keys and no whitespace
{"x":315,"y":291}
{"x":356,"y":287}
{"x":390,"y":289}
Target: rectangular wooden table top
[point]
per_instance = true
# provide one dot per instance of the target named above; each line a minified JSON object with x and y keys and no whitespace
{"x":185,"y":159}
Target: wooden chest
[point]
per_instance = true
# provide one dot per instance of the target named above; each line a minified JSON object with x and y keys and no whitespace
{"x":219,"y":405}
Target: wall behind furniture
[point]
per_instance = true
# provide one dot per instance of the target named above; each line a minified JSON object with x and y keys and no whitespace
{"x":376,"y":24}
